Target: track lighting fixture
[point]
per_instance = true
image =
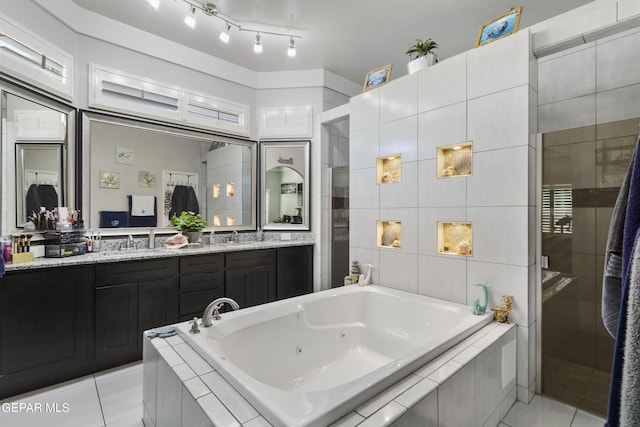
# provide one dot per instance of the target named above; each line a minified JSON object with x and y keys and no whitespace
{"x":291,"y":51}
{"x":225,"y":35}
{"x":210,"y":9}
{"x":190,"y":19}
{"x":257,"y":46}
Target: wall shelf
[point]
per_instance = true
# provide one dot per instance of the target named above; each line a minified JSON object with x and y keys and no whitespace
{"x":454,"y":160}
{"x":455,"y":238}
{"x":389,"y":169}
{"x":389,"y":234}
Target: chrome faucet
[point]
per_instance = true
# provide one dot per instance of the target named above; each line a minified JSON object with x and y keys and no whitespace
{"x":213,"y":310}
{"x":129,"y":244}
{"x":234,"y":238}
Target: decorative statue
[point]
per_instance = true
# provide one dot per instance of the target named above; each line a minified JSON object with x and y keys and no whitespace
{"x":501,"y":314}
{"x":355,"y":268}
{"x":480,"y":307}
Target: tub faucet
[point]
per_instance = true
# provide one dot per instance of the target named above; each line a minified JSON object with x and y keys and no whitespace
{"x":213,"y":310}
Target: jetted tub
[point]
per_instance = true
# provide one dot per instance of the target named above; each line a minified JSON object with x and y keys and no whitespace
{"x":309,"y":360}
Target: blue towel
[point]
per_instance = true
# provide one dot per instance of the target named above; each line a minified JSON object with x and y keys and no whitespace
{"x":2,"y":266}
{"x":630,"y":227}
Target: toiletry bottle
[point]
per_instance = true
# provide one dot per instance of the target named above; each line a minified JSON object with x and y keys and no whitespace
{"x":6,"y":251}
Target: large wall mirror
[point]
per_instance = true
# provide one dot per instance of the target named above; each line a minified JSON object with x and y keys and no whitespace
{"x":38,"y":140}
{"x":137,"y":174}
{"x":285,"y":185}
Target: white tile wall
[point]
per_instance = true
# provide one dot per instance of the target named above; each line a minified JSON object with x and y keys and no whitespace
{"x":364,"y":147}
{"x":500,"y":234}
{"x":443,"y":84}
{"x":402,"y":194}
{"x":568,"y":76}
{"x":365,"y":110}
{"x":499,"y":178}
{"x":439,"y":192}
{"x":499,"y":120}
{"x":443,"y":277}
{"x":442,"y":126}
{"x":487,"y":73}
{"x":399,"y":99}
{"x":618,"y":104}
{"x":362,"y":228}
{"x":364,"y":192}
{"x":618,"y":61}
{"x":399,"y":270}
{"x":628,"y":8}
{"x":400,"y":137}
{"x":572,"y":113}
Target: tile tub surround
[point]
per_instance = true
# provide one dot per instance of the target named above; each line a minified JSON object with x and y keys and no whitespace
{"x":180,"y":388}
{"x":247,"y":242}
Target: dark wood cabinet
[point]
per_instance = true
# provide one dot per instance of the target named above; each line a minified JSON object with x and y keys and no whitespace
{"x":125,"y":309}
{"x":201,"y":281}
{"x":250,"y":277}
{"x":63,"y":322}
{"x":295,"y":271}
{"x":44,"y":327}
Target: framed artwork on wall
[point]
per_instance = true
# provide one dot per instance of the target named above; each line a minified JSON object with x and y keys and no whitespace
{"x":500,"y":27}
{"x":109,"y":179}
{"x":376,"y":78}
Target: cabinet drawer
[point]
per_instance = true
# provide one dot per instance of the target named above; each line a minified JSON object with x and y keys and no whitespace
{"x":196,"y":302}
{"x":201,"y":263}
{"x":135,"y":271}
{"x":250,"y":258}
{"x":201,"y":282}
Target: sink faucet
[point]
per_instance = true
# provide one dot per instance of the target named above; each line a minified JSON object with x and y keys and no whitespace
{"x":234,"y":238}
{"x":213,"y":310}
{"x":129,"y":244}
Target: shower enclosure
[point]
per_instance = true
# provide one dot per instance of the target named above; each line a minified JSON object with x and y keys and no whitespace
{"x":582,"y":170}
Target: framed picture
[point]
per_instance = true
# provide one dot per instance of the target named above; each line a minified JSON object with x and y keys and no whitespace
{"x":502,"y":26}
{"x":378,"y":77}
{"x":289,"y":188}
{"x":125,"y":155}
{"x":109,"y":179}
{"x":146,"y":179}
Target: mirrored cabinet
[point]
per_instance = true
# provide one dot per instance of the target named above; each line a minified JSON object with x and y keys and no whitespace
{"x":284,"y":185}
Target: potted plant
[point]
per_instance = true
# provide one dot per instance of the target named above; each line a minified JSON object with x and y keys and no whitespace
{"x":190,"y":224}
{"x":421,"y":55}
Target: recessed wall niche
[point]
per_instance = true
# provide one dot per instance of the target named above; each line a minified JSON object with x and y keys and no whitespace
{"x":455,"y":238}
{"x":230,"y":189}
{"x":389,"y":234}
{"x":454,"y":160}
{"x":216,"y":191}
{"x":216,"y":221}
{"x":389,"y":169}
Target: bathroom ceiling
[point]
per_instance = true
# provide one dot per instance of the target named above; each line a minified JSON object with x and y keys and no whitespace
{"x":347,"y":37}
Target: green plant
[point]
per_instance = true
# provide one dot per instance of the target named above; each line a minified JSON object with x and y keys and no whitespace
{"x":422,"y":48}
{"x":188,"y":221}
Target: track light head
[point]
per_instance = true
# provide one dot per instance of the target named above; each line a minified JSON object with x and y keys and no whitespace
{"x":257,"y":46}
{"x":225,"y":35}
{"x":190,"y":19}
{"x":291,"y":51}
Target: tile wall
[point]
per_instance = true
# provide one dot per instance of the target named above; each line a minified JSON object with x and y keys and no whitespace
{"x":469,"y":97}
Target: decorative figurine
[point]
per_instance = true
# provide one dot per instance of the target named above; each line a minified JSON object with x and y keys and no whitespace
{"x":480,"y":307}
{"x":355,"y":268}
{"x":449,"y":171}
{"x":501,"y":314}
{"x":463,"y":248}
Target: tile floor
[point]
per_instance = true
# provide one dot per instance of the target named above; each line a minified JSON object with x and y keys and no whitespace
{"x":113,"y":398}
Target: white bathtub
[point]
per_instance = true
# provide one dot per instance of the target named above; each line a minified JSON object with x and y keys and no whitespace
{"x":307,"y":361}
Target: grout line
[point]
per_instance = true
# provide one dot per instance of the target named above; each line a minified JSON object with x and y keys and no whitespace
{"x":95,"y":383}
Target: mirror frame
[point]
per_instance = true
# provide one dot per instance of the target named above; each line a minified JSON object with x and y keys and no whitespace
{"x":265,"y":147}
{"x":70,"y":193}
{"x":89,"y":117}
{"x":20,"y":148}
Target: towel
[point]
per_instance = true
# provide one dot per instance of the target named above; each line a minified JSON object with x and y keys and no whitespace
{"x":113,"y":219}
{"x":162,"y":332}
{"x":625,"y":224}
{"x":146,"y":220}
{"x":630,"y":388}
{"x":143,"y":205}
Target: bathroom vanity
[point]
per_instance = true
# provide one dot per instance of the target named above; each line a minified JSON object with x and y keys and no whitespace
{"x":63,"y":318}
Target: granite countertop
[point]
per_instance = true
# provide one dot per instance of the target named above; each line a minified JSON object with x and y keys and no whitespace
{"x":160,"y":252}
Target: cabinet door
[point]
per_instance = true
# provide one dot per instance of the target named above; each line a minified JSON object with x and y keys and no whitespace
{"x":295,"y":271}
{"x":116,"y":321}
{"x":43,"y":322}
{"x":236,"y":282}
{"x":44,"y":327}
{"x":261,"y":287}
{"x":157,"y":305}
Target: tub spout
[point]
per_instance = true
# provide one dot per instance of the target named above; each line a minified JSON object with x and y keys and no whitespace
{"x":213,"y":310}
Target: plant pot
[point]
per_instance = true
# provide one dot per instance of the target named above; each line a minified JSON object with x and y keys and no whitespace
{"x":421,"y":63}
{"x":193,"y":236}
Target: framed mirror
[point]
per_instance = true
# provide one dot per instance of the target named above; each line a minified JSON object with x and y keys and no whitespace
{"x":39,"y":182}
{"x":38,"y":140}
{"x":285,"y":185}
{"x":137,"y":174}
